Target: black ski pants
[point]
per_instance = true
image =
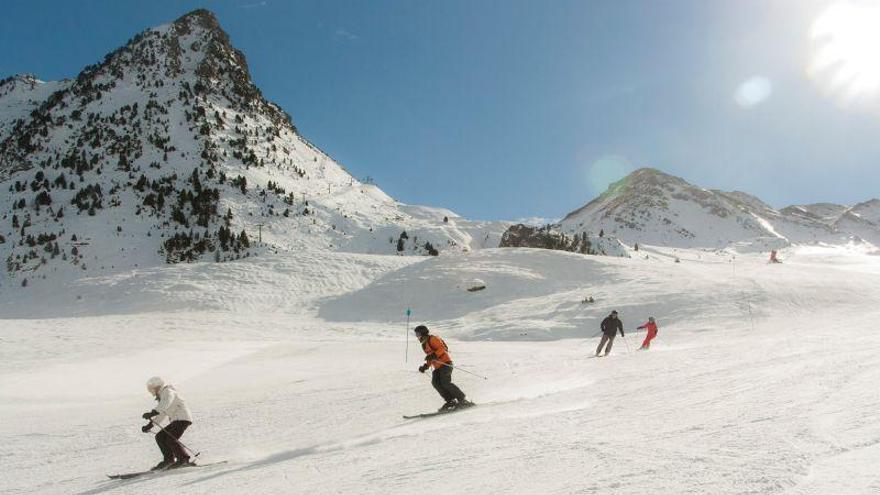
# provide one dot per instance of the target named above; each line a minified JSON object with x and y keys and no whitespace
{"x":606,"y":338}
{"x":441,"y":379}
{"x":167,"y":440}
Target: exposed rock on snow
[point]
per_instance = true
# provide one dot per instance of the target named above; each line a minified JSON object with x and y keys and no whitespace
{"x":475,"y":285}
{"x":548,"y":237}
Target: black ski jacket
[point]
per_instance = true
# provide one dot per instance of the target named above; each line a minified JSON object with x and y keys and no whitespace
{"x":612,"y":325}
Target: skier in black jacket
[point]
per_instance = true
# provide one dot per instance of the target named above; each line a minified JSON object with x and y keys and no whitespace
{"x":610,"y":326}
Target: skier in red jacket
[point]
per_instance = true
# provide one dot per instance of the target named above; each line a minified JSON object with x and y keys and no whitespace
{"x":651,"y":326}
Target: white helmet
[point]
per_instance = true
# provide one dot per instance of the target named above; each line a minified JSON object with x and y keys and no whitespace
{"x":155,"y":383}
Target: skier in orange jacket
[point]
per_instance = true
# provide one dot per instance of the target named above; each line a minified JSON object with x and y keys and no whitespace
{"x":651,"y":326}
{"x":437,"y":356}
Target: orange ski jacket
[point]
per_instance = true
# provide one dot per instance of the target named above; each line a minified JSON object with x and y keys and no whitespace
{"x":435,"y":345}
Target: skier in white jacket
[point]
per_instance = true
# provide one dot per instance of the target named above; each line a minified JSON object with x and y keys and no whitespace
{"x":171,"y":406}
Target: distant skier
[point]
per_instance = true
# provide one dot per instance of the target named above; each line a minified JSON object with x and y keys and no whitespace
{"x":437,"y":355}
{"x":610,"y":326}
{"x":773,"y":257}
{"x":651,"y":326}
{"x":171,"y":406}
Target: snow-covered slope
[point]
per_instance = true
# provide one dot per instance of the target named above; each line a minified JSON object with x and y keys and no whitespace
{"x":822,"y":212}
{"x":868,"y":211}
{"x":167,"y":151}
{"x":759,"y":382}
{"x":651,"y":207}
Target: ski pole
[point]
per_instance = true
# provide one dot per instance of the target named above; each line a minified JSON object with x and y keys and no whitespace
{"x":626,"y":342}
{"x":462,"y":369}
{"x":191,"y":451}
{"x":408,"y":312}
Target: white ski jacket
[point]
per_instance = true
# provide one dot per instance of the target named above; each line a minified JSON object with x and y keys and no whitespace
{"x":171,"y":406}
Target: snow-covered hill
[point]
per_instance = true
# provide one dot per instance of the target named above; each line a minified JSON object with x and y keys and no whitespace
{"x":297,"y":371}
{"x":167,"y":151}
{"x":654,"y":208}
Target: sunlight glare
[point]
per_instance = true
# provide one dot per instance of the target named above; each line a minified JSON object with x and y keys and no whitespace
{"x":846,"y":57}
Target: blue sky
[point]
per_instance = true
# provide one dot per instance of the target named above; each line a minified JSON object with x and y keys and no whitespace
{"x":509,"y":109}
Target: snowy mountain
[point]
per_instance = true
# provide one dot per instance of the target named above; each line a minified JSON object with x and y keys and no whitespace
{"x":655,"y":208}
{"x":862,"y":220}
{"x":167,"y":151}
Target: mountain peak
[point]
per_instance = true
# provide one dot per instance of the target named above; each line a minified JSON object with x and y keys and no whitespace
{"x":645,"y":172}
{"x":641,"y":183}
{"x":20,"y":78}
{"x":200,"y":17}
{"x":642,"y":178}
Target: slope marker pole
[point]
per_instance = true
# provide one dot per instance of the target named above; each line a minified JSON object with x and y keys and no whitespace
{"x":406,"y":336}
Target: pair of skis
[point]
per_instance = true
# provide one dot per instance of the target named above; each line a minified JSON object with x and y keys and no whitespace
{"x":139,"y":474}
{"x":438,"y":413}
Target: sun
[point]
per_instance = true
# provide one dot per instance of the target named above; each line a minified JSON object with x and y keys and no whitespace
{"x":846,"y":50}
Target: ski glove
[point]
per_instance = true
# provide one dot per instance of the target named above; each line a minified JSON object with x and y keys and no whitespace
{"x":430,"y":357}
{"x":423,"y":368}
{"x":147,"y":428}
{"x":148,"y":415}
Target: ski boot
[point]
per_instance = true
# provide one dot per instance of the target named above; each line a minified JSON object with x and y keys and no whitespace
{"x":448,"y":407}
{"x":464,"y":403}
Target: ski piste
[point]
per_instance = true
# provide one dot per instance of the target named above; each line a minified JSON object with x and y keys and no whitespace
{"x":438,"y":413}
{"x":139,"y":474}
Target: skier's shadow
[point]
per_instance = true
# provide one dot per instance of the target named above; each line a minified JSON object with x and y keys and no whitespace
{"x":272,"y":459}
{"x":266,"y":461}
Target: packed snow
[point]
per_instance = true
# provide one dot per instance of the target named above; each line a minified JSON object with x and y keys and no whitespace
{"x":296,"y":369}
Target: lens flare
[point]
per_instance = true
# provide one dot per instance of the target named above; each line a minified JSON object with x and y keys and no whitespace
{"x":846,"y":50}
{"x":608,"y":169}
{"x":753,"y":91}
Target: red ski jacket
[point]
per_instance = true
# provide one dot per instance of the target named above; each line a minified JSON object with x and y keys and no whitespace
{"x":652,"y":327}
